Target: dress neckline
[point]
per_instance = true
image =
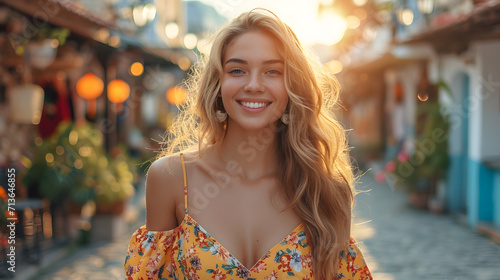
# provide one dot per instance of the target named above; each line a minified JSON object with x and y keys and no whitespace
{"x":184,"y":221}
{"x":215,"y":241}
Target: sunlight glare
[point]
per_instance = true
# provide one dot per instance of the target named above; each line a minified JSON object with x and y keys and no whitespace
{"x":353,"y":22}
{"x":326,"y":28}
{"x":329,"y":28}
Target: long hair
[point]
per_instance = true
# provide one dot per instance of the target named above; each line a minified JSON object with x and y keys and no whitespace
{"x":313,"y":156}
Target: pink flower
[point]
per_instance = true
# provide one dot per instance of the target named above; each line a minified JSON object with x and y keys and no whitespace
{"x":380,"y":177}
{"x":403,"y":157}
{"x":390,"y":166}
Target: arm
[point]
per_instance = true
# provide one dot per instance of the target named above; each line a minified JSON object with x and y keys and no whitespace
{"x":163,"y":185}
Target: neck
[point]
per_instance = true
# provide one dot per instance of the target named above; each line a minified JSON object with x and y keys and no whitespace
{"x":250,"y":154}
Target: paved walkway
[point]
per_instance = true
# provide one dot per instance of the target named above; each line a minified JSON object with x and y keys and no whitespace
{"x":399,"y":243}
{"x":100,"y":260}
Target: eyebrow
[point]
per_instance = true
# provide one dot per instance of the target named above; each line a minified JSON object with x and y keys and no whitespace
{"x":241,"y":61}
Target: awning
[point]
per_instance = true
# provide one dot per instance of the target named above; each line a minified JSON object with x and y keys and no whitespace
{"x":66,"y":14}
{"x":397,"y":55}
{"x":482,"y":22}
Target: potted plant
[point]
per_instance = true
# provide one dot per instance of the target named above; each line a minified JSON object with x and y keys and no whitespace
{"x":421,"y":172}
{"x":71,"y":169}
{"x":115,"y":183}
{"x":432,"y":146}
{"x":65,"y":165}
{"x":403,"y":173}
{"x":40,"y":45}
{"x":113,"y":188}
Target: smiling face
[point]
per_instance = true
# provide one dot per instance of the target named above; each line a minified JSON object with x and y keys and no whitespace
{"x":253,"y":87}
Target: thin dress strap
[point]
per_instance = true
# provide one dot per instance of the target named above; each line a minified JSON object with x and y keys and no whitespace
{"x":185,"y":185}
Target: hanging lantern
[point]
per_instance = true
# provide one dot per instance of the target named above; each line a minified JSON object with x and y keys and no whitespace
{"x":26,"y":103}
{"x":118,"y":92}
{"x":176,"y":95}
{"x":89,"y":86}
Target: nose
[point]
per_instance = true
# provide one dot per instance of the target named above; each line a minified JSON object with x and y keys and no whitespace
{"x":254,"y":83}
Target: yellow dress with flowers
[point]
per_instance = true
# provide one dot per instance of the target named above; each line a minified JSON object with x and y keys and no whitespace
{"x":190,"y":252}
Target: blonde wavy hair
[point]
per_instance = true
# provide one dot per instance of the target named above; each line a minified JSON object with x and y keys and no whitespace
{"x":313,"y":156}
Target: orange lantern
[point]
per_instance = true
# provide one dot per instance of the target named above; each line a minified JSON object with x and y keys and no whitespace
{"x":89,"y":86}
{"x":118,"y":91}
{"x":3,"y":194}
{"x":176,"y":95}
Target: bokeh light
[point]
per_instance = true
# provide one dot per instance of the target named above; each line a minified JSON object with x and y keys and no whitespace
{"x":172,"y":30}
{"x":89,"y":86}
{"x":406,"y":16}
{"x":136,"y":69}
{"x":118,"y":91}
{"x":190,"y":41}
{"x":49,"y":157}
{"x":353,"y":22}
{"x":334,"y":66}
{"x":176,"y":95}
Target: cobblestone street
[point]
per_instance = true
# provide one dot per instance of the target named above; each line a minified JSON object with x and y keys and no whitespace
{"x":98,"y":262}
{"x":399,"y":243}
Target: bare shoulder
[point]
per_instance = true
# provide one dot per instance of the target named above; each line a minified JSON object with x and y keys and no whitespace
{"x":166,"y":167}
{"x":164,"y":187}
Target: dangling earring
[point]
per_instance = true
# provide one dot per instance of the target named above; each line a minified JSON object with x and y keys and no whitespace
{"x":220,"y":113}
{"x":221,"y":116}
{"x":285,"y":118}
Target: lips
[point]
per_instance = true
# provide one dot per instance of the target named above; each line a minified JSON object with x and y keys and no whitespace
{"x":254,"y":105}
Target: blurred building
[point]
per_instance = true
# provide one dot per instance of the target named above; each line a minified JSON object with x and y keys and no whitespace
{"x":424,"y":52}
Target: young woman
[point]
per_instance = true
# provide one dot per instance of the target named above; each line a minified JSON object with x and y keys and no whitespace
{"x":265,"y":169}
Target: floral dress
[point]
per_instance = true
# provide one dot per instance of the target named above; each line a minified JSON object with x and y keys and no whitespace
{"x":190,"y":252}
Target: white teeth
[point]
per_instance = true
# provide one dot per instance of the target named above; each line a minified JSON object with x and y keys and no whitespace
{"x":253,"y":105}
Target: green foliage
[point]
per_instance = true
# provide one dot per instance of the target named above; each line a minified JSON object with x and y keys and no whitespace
{"x":72,"y":165}
{"x":44,"y":32}
{"x":428,"y":164}
{"x":433,"y":144}
{"x":114,"y":183}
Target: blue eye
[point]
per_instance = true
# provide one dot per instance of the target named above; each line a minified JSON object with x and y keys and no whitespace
{"x":236,"y":71}
{"x":273,"y":72}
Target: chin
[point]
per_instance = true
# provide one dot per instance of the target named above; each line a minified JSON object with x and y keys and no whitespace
{"x":255,"y":126}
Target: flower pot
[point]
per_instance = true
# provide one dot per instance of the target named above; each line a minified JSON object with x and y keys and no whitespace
{"x":74,"y":208}
{"x":436,"y":206}
{"x":41,"y":54}
{"x":419,"y":199}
